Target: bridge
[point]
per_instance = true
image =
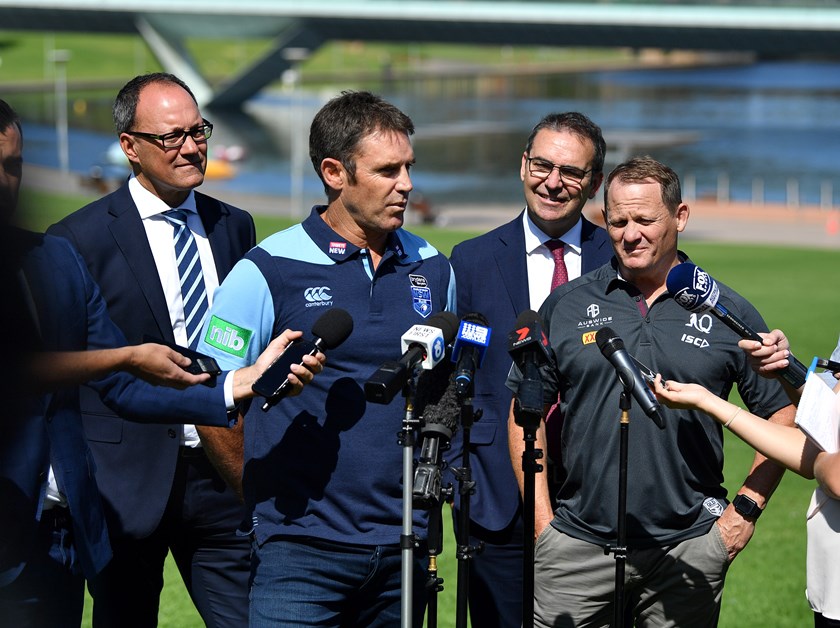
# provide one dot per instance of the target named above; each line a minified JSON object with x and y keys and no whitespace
{"x":777,"y":28}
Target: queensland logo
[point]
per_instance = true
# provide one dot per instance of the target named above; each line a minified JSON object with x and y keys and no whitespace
{"x":318,"y":296}
{"x":700,"y":323}
{"x":339,"y":248}
{"x":228,"y":337}
{"x":421,"y":295}
{"x":714,"y":506}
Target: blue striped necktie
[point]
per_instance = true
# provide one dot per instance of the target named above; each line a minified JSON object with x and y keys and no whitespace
{"x":192,"y":279}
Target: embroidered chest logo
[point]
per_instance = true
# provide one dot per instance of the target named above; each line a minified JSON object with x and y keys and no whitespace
{"x":317,"y":296}
{"x":594,"y":318}
{"x":421,"y":295}
{"x":703,"y":324}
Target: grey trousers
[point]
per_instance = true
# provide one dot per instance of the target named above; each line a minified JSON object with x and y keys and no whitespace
{"x":679,"y":585}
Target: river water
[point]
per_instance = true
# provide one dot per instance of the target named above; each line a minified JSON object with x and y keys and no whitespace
{"x":769,"y":130}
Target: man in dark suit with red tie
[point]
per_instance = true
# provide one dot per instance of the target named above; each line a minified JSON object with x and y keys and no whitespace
{"x":165,"y":487}
{"x":501,"y":274}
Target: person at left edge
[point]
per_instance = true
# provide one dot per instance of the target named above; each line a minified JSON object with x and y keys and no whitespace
{"x":165,"y":487}
{"x":323,"y":471}
{"x":52,"y":526}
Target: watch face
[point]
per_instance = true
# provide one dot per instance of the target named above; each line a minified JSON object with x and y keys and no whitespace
{"x":746,"y":506}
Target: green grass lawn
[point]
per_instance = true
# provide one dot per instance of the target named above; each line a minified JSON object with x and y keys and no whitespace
{"x":795,"y":289}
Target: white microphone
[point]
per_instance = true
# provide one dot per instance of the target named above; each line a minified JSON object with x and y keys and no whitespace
{"x":423,"y":346}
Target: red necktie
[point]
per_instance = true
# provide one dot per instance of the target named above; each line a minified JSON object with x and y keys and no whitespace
{"x":561,"y":274}
{"x":554,"y":418}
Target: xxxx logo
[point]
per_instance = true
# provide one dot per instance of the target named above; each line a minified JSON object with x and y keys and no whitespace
{"x":588,"y":338}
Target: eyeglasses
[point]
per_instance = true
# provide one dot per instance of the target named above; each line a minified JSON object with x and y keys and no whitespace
{"x":176,"y":139}
{"x":542,"y":169}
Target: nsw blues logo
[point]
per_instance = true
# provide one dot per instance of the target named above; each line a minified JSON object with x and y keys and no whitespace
{"x":421,"y":295}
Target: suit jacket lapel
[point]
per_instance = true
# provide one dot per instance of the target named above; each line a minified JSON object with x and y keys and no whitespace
{"x":590,"y":246}
{"x":130,"y":237}
{"x":511,"y":261}
{"x":215,"y":226}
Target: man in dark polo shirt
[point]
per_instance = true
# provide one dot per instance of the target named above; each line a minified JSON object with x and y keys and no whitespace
{"x":682,"y":533}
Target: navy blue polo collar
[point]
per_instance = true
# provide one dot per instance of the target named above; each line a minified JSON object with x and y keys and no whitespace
{"x":336,"y":247}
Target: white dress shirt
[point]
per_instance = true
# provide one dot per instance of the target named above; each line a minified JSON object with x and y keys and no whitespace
{"x":159,"y":232}
{"x":540,"y":261}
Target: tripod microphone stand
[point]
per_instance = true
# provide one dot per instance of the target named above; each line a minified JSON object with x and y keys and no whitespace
{"x":619,"y":550}
{"x":466,"y":488}
{"x":527,"y":413}
{"x":434,"y":584}
{"x":408,"y":540}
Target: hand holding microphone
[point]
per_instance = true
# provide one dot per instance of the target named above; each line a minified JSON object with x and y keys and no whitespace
{"x":696,"y":291}
{"x":329,"y":331}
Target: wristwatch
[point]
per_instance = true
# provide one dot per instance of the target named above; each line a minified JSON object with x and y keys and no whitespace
{"x":746,"y":507}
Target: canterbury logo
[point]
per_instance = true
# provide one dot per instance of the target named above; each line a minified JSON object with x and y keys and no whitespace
{"x":315,"y":295}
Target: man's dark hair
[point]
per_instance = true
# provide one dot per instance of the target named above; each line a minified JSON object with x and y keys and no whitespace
{"x":345,"y":121}
{"x":125,"y":105}
{"x":578,"y":124}
{"x":8,"y":117}
{"x":644,"y":170}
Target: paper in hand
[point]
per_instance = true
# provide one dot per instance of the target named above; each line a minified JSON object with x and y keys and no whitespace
{"x":818,"y":414}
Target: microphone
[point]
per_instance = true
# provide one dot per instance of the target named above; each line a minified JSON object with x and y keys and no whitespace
{"x":330,"y":330}
{"x":437,"y":406}
{"x":468,"y":352}
{"x":422,"y":345}
{"x":528,"y":347}
{"x":695,"y":290}
{"x":628,"y":373}
{"x":829,"y":365}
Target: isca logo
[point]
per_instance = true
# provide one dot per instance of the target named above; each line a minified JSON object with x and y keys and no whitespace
{"x":227,"y":337}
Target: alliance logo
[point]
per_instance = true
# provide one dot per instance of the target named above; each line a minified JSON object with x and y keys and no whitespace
{"x":317,"y":296}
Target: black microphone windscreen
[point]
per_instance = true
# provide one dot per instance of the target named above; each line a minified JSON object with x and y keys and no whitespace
{"x":608,"y":342}
{"x":477,"y":317}
{"x":447,"y":322}
{"x":435,"y":400}
{"x":527,"y":319}
{"x":333,"y":327}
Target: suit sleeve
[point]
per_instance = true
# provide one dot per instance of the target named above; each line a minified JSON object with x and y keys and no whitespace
{"x":133,"y":398}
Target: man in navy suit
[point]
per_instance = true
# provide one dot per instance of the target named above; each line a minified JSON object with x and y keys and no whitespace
{"x":165,"y":487}
{"x":501,"y":274}
{"x":52,"y":525}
